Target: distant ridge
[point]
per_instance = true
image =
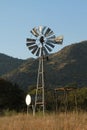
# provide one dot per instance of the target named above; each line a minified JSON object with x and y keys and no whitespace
{"x":69,"y":65}
{"x":8,"y":63}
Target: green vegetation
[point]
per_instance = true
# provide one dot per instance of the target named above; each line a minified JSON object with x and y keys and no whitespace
{"x":11,"y":97}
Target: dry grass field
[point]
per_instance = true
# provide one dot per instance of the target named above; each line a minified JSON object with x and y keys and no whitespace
{"x":71,"y":121}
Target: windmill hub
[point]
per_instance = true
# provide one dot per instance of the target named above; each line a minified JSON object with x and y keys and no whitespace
{"x":42,"y":39}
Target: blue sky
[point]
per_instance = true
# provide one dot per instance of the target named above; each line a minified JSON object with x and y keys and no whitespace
{"x":18,"y":17}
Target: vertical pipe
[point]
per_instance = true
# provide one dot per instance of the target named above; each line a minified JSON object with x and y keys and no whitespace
{"x":56,"y":102}
{"x":76,"y":101}
{"x":43,"y":85}
{"x":65,"y":96}
{"x":27,"y":109}
{"x":37,"y":83}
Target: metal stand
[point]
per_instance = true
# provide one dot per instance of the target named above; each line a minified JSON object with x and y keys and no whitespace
{"x":27,"y":109}
{"x":65,"y":93}
{"x":33,"y":108}
{"x":39,"y":98}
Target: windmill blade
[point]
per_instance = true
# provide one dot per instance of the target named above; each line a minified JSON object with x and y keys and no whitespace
{"x":30,"y":44}
{"x":51,"y":41}
{"x":38,"y":52}
{"x":48,"y":48}
{"x":35,"y":49}
{"x":35,"y":32}
{"x":43,"y":30}
{"x":51,"y":37}
{"x":50,"y":44}
{"x":47,"y":32}
{"x":30,"y":40}
{"x":32,"y":47}
{"x":50,"y":33}
{"x":58,"y":40}
{"x":45,"y":51}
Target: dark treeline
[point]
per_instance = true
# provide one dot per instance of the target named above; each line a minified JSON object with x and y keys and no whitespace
{"x":13,"y":98}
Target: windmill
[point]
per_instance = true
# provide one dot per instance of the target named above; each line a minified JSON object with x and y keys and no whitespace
{"x":41,"y":44}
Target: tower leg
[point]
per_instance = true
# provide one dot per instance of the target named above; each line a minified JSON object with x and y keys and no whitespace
{"x":39,"y":97}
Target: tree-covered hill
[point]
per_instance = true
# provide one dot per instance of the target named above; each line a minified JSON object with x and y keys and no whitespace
{"x":11,"y":97}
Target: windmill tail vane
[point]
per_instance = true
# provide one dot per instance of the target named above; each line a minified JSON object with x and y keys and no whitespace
{"x":59,"y":39}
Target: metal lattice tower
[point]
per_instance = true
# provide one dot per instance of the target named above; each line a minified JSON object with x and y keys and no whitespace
{"x":41,"y":44}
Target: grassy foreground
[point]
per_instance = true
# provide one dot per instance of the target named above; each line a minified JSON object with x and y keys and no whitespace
{"x":71,"y":121}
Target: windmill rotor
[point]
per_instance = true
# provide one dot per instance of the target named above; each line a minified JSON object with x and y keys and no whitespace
{"x":43,"y":42}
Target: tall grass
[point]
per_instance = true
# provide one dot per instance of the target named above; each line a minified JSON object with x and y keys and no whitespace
{"x":59,"y":121}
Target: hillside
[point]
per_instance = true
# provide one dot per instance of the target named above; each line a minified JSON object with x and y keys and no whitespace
{"x":8,"y":63}
{"x":64,"y":67}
